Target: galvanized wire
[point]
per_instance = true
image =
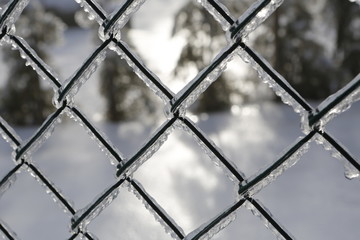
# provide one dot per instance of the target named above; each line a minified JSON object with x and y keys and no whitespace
{"x":176,"y":104}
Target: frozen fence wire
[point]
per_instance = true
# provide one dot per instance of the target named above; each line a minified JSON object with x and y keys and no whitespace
{"x":313,"y":120}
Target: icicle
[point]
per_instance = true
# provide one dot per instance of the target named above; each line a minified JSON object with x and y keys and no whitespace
{"x":7,"y":184}
{"x":168,"y":230}
{"x":350,"y":171}
{"x":202,"y":86}
{"x":214,"y":230}
{"x":260,"y":17}
{"x":94,"y":212}
{"x":30,"y":62}
{"x":291,"y":161}
{"x":92,"y":14}
{"x":182,"y":126}
{"x":78,"y":79}
{"x":104,"y":149}
{"x":42,"y":134}
{"x":139,"y":72}
{"x":267,"y":224}
{"x":14,"y":14}
{"x":150,"y":151}
{"x":218,"y":17}
{"x":279,"y":91}
{"x":120,"y":22}
{"x":48,"y":190}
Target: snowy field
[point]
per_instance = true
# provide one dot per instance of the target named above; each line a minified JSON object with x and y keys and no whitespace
{"x":313,"y":199}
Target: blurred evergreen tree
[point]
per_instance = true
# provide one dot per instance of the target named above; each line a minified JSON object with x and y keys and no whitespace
{"x":24,"y":101}
{"x":289,"y":41}
{"x":127,"y":97}
{"x":346,"y":22}
{"x":204,"y":39}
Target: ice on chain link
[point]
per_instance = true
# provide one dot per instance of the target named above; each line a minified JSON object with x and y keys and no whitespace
{"x":49,"y":191}
{"x":27,"y":148}
{"x":261,"y":16}
{"x":72,"y":85}
{"x":347,"y":95}
{"x":182,"y":126}
{"x":202,"y":84}
{"x":90,"y":132}
{"x":267,"y":79}
{"x":289,"y":162}
{"x":146,"y":152}
{"x":117,"y":22}
{"x":7,"y":184}
{"x":248,"y":205}
{"x":12,"y":234}
{"x":44,"y":71}
{"x":350,"y":171}
{"x":8,"y":134}
{"x":140,"y":73}
{"x":93,"y":209}
{"x":218,"y":17}
{"x":9,"y":31}
{"x":159,"y":219}
{"x":13,"y":14}
{"x":92,"y":14}
{"x":88,"y":236}
{"x":214,"y":230}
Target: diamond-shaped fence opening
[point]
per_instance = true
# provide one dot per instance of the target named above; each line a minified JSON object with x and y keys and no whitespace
{"x":313,"y":121}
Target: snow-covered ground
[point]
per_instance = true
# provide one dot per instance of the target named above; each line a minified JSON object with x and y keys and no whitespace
{"x":313,"y":199}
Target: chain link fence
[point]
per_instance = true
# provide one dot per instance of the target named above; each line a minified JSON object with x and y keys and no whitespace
{"x":236,"y":29}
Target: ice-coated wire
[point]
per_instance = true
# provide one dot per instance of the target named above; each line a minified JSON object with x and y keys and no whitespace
{"x":7,"y":232}
{"x":109,"y":32}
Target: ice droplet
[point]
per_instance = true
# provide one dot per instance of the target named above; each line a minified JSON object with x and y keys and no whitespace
{"x":350,"y":171}
{"x":214,"y":230}
{"x":141,"y":73}
{"x":92,"y":14}
{"x":248,"y":205}
{"x":168,"y":230}
{"x":182,"y":126}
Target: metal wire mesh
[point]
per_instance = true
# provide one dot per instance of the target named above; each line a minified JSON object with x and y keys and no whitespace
{"x":176,"y":105}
